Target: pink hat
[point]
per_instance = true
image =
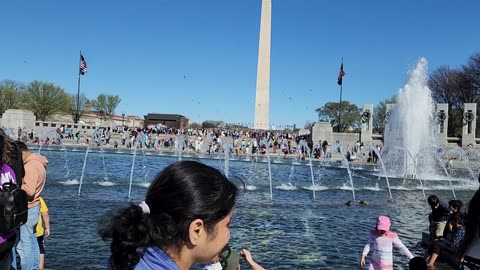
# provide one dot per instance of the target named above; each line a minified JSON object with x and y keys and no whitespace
{"x":383,"y":223}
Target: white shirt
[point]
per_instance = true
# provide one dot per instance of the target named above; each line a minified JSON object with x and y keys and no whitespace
{"x":215,"y":266}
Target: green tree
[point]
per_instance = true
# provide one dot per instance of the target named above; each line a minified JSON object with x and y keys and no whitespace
{"x":45,"y":99}
{"x":380,"y":114}
{"x":343,"y":116}
{"x":210,"y":124}
{"x":106,"y":103}
{"x":194,"y":125}
{"x":308,"y":125}
{"x":10,"y":95}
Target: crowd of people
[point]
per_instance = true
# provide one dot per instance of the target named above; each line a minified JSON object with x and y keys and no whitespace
{"x":208,"y":141}
{"x":454,"y":234}
{"x":211,"y":141}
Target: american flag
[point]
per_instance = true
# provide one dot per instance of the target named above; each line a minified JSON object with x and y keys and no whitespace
{"x":83,"y":65}
{"x":340,"y":75}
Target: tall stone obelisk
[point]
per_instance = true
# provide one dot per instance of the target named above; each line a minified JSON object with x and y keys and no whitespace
{"x":262,"y":97}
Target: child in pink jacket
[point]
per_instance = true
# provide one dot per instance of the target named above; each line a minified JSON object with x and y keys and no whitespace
{"x":383,"y":240}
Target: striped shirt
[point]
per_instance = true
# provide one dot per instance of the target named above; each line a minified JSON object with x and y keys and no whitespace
{"x":382,"y":256}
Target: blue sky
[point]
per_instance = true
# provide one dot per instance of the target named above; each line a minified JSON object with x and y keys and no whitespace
{"x":199,"y":58}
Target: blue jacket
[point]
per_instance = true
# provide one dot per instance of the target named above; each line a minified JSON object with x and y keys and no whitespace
{"x":154,"y":258}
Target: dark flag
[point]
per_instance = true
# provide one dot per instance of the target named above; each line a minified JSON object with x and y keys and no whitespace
{"x":340,"y":75}
{"x":83,"y":65}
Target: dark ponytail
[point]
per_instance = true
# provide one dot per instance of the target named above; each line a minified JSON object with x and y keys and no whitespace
{"x":11,"y":154}
{"x":129,"y":231}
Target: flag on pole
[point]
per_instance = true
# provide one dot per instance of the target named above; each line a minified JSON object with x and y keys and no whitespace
{"x":83,"y":65}
{"x":340,"y":75}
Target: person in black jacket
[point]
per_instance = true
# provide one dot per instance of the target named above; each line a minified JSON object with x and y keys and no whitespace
{"x":438,"y":217}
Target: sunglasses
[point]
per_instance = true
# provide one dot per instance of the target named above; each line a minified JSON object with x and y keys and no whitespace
{"x":224,"y":255}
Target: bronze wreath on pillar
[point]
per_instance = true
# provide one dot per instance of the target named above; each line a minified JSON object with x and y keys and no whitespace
{"x":365,"y":116}
{"x":468,"y":117}
{"x":441,"y":116}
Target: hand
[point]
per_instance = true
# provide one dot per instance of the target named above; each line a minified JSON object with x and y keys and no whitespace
{"x":247,"y":255}
{"x":362,"y":262}
{"x":47,"y":232}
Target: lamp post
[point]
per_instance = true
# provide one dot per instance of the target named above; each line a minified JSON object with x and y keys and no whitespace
{"x":101,"y":117}
{"x":123,"y":119}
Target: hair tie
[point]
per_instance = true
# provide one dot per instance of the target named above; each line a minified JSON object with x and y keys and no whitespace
{"x":145,"y":208}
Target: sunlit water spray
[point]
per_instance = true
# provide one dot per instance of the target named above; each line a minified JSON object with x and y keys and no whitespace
{"x":83,"y":171}
{"x":180,"y":142}
{"x":226,"y":152}
{"x":410,"y":126}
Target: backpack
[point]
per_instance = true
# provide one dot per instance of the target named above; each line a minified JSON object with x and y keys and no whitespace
{"x":13,"y":201}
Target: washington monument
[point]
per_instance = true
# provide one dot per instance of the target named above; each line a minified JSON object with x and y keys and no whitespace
{"x":262,"y":97}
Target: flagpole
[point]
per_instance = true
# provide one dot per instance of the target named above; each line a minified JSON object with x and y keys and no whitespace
{"x":340,"y":105}
{"x":77,"y":115}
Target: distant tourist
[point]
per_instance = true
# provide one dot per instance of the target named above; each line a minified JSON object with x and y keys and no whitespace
{"x":449,"y":164}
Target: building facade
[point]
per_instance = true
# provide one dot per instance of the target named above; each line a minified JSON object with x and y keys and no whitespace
{"x":176,"y":121}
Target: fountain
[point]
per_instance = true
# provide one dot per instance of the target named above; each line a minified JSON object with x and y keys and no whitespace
{"x":410,"y":126}
{"x":464,"y":158}
{"x":180,"y":143}
{"x":138,"y":140}
{"x":67,"y":173}
{"x":290,"y":185}
{"x":132,"y":168}
{"x":384,"y":172}
{"x":303,"y":147}
{"x":83,"y":171}
{"x":347,"y":165}
{"x":97,"y":137}
{"x":249,"y":185}
{"x":448,"y":176}
{"x":48,"y":139}
{"x":267,"y":152}
{"x":414,"y":166}
{"x":226,"y":152}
